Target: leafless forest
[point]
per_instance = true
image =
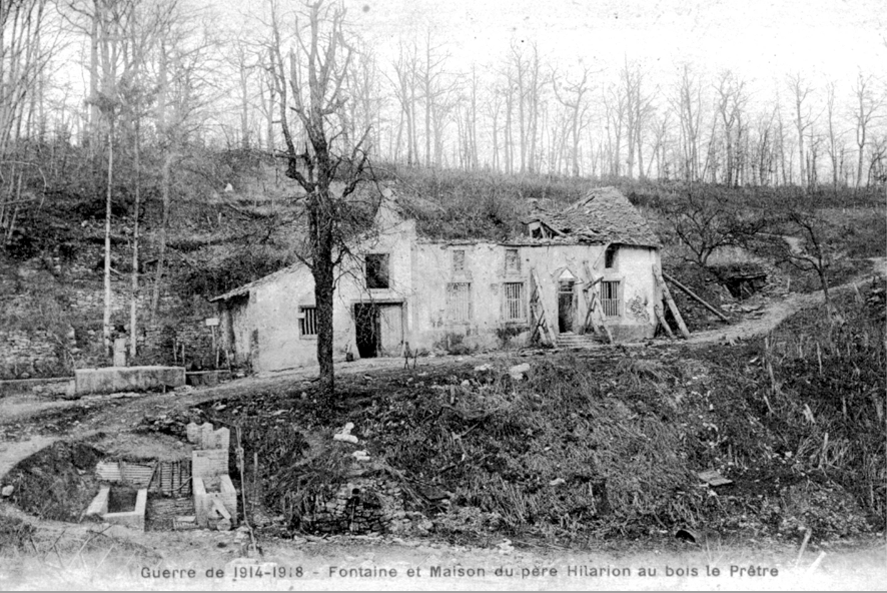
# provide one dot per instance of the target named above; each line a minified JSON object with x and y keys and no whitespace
{"x":160,"y":77}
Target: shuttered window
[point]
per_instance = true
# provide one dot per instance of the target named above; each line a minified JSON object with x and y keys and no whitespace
{"x":515,"y":309}
{"x":459,"y":302}
{"x":610,"y":298}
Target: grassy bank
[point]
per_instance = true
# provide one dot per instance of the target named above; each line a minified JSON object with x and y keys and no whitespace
{"x":610,"y":443}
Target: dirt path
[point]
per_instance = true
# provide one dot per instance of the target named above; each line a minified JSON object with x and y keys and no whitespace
{"x":20,"y":437}
{"x":778,"y":311}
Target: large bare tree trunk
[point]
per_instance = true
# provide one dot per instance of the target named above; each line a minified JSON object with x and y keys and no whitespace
{"x":316,"y":82}
{"x":165,"y":182}
{"x":106,"y":314}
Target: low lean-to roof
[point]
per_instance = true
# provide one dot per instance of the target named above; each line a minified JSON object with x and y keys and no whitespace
{"x":603,"y":215}
{"x":245,"y":289}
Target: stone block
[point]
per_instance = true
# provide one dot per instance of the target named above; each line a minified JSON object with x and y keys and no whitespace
{"x":209,"y":463}
{"x":209,"y":494}
{"x":134,"y":519}
{"x":117,"y":379}
{"x":203,"y":437}
{"x":99,"y":505}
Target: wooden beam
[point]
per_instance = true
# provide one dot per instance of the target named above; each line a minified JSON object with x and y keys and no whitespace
{"x":538,"y":309}
{"x":660,"y":315}
{"x":695,"y":297}
{"x":671,"y":304}
{"x":599,"y":328}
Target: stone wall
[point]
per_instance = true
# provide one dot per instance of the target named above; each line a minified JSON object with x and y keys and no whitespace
{"x":59,"y":329}
{"x":24,"y":354}
{"x":362,"y":505}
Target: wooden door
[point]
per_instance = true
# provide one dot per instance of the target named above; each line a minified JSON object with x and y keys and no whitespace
{"x":391,"y":329}
{"x":565,"y":309}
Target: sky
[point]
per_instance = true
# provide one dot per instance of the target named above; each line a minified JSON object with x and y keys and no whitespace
{"x":823,"y":39}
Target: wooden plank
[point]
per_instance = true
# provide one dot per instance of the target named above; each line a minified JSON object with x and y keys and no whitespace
{"x":599,"y":326}
{"x":589,"y":302}
{"x":660,"y":315}
{"x":695,"y":297}
{"x":536,"y":299}
{"x":657,"y":273}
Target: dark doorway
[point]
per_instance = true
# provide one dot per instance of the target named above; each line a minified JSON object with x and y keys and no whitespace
{"x":565,"y":306}
{"x":366,"y":322}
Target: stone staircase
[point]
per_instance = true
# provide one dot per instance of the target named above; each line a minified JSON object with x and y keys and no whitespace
{"x":571,"y":340}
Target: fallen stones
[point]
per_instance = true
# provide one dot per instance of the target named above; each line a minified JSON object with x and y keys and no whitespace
{"x":345,"y":434}
{"x":518,"y":371}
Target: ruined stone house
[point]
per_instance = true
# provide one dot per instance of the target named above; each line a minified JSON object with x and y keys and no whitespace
{"x":587,"y":269}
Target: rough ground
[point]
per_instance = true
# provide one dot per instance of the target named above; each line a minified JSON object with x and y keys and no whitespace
{"x":67,"y":555}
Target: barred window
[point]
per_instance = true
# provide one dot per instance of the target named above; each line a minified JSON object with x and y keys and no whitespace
{"x":610,"y":298}
{"x":377,"y":270}
{"x":512,"y":261}
{"x":515,"y":310}
{"x":308,"y":321}
{"x":458,"y":260}
{"x":459,"y":302}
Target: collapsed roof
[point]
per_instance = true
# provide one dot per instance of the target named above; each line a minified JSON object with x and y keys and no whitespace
{"x":603,"y":215}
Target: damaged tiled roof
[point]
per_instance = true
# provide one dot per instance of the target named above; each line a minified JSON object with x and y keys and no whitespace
{"x":603,"y":215}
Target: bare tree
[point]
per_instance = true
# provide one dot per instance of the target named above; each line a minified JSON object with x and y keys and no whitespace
{"x":800,"y":90}
{"x":615,"y":106}
{"x":25,"y":52}
{"x":406,"y":69}
{"x":430,"y":78}
{"x":731,"y":103}
{"x":316,"y":78}
{"x":574,"y":99}
{"x":835,"y":147}
{"x":867,"y":104}
{"x":688,"y":105}
{"x":182,"y":97}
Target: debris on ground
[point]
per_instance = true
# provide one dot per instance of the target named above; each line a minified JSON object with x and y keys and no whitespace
{"x":345,"y":434}
{"x":518,"y":371}
{"x":713,"y":477}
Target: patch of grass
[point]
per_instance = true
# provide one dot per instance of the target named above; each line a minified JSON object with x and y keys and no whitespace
{"x":57,"y":483}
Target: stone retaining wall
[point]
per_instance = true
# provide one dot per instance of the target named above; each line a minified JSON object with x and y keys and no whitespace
{"x":360,"y":506}
{"x":24,"y":355}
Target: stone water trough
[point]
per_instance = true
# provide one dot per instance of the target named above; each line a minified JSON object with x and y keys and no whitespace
{"x":110,"y":502}
{"x":117,"y":379}
{"x":123,"y":496}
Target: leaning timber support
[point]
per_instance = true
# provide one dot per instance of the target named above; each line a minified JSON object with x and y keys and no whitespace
{"x":591,"y":305}
{"x":537,"y":309}
{"x":657,"y":273}
{"x":695,"y":297}
{"x":660,"y":315}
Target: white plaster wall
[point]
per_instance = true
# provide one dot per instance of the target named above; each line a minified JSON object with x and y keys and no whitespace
{"x":419,"y":274}
{"x":433,"y":270}
{"x":274,"y":306}
{"x":485,"y":270}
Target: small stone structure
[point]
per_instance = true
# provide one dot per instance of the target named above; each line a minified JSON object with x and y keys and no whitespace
{"x":134,"y":518}
{"x":215,"y":499}
{"x":118,"y":477}
{"x":359,"y":506}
